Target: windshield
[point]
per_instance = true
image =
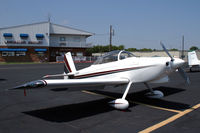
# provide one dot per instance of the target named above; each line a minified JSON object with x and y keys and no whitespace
{"x":113,"y":56}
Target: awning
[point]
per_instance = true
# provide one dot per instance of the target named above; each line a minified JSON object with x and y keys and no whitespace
{"x":13,"y":49}
{"x":40,"y":50}
{"x":39,"y":35}
{"x":7,"y":34}
{"x":23,"y":35}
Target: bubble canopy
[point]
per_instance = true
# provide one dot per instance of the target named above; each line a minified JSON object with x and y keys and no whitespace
{"x":113,"y":56}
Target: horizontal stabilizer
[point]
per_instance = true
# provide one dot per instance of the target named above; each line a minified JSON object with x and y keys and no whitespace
{"x":59,"y":75}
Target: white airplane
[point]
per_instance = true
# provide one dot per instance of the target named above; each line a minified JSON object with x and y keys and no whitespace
{"x":116,"y":68}
{"x":193,"y":61}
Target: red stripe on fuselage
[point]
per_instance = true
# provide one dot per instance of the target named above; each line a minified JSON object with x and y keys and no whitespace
{"x":67,"y":64}
{"x":107,"y":72}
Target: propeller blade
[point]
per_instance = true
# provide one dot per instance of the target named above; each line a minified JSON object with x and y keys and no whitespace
{"x":172,"y":59}
{"x":184,"y":75}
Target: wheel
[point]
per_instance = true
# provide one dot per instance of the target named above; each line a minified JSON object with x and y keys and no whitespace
{"x":155,"y":94}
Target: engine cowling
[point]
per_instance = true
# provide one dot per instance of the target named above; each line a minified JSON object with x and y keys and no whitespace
{"x":120,"y":104}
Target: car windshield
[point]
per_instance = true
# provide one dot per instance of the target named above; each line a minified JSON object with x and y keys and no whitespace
{"x":113,"y":56}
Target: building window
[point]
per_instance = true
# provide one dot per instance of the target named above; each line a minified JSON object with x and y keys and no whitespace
{"x":24,"y":36}
{"x":8,"y":53}
{"x":62,"y":44}
{"x":76,"y":39}
{"x":7,"y":35}
{"x":20,"y":53}
{"x":73,"y":54}
{"x":4,"y":54}
{"x":40,"y":53}
{"x":62,"y":39}
{"x":79,"y":54}
{"x":39,"y":36}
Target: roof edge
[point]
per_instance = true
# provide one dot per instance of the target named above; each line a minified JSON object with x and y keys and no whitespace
{"x":24,"y":25}
{"x":74,"y":29}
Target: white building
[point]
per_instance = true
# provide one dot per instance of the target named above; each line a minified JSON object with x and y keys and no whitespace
{"x":41,"y":42}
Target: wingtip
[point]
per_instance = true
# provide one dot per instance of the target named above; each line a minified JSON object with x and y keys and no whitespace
{"x":46,"y":76}
{"x":15,"y":88}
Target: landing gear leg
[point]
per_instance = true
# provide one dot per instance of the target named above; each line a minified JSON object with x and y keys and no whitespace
{"x":121,"y":103}
{"x":152,"y":93}
{"x":127,"y":89}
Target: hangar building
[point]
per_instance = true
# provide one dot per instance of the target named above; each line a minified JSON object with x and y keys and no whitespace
{"x":41,"y":42}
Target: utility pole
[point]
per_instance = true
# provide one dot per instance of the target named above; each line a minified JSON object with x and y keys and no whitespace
{"x":49,"y":17}
{"x":111,"y":34}
{"x":182,"y":55}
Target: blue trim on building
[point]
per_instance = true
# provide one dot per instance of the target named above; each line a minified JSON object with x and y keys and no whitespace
{"x":39,"y":35}
{"x":23,"y":35}
{"x":13,"y":49}
{"x":7,"y":34}
{"x":40,"y":50}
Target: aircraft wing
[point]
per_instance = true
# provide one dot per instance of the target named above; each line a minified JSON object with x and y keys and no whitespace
{"x":73,"y":82}
{"x":88,"y":82}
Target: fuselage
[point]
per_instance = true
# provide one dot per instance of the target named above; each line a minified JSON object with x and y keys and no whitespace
{"x":117,"y":67}
{"x":136,"y":69}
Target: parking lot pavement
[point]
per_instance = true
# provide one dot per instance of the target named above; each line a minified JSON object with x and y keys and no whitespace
{"x":59,"y":110}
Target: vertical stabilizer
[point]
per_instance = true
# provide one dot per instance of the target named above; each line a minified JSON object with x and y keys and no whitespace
{"x":192,"y":59}
{"x":69,"y":66}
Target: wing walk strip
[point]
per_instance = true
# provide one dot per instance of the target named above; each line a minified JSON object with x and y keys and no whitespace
{"x":162,"y":123}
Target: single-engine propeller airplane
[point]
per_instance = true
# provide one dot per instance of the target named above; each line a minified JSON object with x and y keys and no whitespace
{"x":116,"y":68}
{"x":193,"y":62}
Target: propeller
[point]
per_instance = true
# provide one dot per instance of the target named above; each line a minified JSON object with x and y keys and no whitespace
{"x":172,"y":59}
{"x":184,"y":75}
{"x":176,"y":62}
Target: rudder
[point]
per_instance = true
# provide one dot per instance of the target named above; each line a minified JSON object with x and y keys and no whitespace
{"x":69,"y":66}
{"x":192,"y":59}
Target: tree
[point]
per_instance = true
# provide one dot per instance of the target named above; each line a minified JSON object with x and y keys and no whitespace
{"x":121,"y":47}
{"x":131,"y":49}
{"x":173,"y":49}
{"x":145,"y":49}
{"x":194,"y":48}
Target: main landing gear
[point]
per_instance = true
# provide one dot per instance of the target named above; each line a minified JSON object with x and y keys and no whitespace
{"x":123,"y":104}
{"x":152,"y":93}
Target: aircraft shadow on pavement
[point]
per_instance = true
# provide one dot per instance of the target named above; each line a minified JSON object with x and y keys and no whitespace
{"x":66,"y":113}
{"x":141,"y":98}
{"x":72,"y":112}
{"x":3,"y":79}
{"x":59,"y":89}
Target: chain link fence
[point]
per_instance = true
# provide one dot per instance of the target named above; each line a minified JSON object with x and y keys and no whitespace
{"x":79,"y":59}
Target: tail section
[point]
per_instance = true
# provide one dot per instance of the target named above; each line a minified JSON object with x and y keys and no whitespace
{"x":69,"y":66}
{"x":192,"y":59}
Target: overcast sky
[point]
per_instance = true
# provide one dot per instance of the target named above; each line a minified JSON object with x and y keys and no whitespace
{"x":137,"y":23}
